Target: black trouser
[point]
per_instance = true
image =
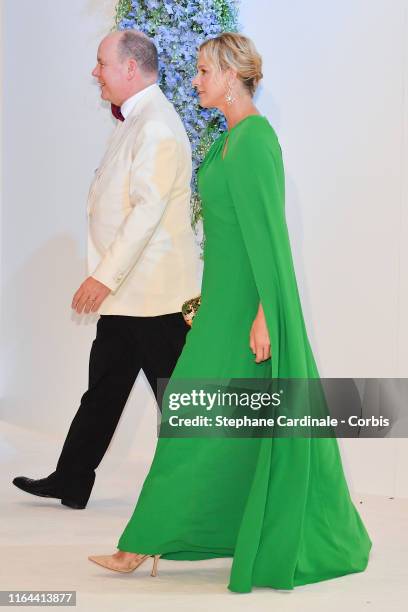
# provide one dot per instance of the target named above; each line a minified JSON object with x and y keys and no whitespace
{"x":123,"y":345}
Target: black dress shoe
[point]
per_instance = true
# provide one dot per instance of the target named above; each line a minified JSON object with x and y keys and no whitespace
{"x":45,"y":487}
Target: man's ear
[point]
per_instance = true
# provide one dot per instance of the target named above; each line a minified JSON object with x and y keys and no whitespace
{"x":133,"y":68}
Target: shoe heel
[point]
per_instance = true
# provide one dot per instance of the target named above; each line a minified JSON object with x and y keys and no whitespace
{"x":73,"y":504}
{"x":155,"y":562}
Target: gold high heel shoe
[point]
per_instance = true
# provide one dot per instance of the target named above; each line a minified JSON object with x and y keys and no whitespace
{"x":109,"y":562}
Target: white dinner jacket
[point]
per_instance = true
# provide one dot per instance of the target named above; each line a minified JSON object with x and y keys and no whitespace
{"x":140,"y":241}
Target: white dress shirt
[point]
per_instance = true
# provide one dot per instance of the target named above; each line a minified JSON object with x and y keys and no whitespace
{"x":129,"y":104}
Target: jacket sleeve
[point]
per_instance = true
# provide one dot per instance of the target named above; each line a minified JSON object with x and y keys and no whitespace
{"x":151,"y":179}
{"x":255,"y":177}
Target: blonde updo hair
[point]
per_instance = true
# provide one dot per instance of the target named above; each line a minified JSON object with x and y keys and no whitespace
{"x":236,"y":51}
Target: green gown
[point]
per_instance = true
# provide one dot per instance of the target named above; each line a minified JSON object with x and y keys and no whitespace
{"x":279,"y":506}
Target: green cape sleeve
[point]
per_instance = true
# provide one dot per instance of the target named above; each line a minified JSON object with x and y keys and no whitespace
{"x":255,"y":177}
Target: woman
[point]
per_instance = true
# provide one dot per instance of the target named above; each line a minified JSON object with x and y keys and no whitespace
{"x":279,"y":506}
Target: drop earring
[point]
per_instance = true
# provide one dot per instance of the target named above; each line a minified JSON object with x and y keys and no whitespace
{"x":229,"y":97}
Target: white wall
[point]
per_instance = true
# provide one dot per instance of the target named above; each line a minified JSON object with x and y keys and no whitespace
{"x":55,"y":129}
{"x":335,"y":89}
{"x":335,"y":74}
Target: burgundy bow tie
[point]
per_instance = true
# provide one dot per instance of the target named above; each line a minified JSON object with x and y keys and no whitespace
{"x":116,"y":112}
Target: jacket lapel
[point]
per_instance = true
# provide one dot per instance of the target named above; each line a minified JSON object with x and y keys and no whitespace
{"x":124,"y":127}
{"x":119,"y":135}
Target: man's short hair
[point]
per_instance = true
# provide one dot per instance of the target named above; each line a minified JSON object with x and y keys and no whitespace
{"x":141,"y":48}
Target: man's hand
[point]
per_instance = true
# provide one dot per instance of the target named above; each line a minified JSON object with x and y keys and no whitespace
{"x":89,"y":296}
{"x":259,"y":337}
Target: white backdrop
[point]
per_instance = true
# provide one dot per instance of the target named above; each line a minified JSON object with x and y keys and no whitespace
{"x":335,"y":89}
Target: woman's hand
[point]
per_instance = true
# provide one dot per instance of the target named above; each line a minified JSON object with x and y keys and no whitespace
{"x":259,"y":337}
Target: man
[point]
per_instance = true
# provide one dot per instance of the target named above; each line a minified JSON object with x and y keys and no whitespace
{"x":142,"y":259}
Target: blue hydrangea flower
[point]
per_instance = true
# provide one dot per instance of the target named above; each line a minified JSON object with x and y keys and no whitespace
{"x":178,"y":28}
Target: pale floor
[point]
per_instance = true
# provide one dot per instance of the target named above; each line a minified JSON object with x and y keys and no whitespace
{"x":45,"y":547}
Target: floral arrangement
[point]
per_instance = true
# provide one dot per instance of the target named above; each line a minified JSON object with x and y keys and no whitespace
{"x":178,"y":28}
